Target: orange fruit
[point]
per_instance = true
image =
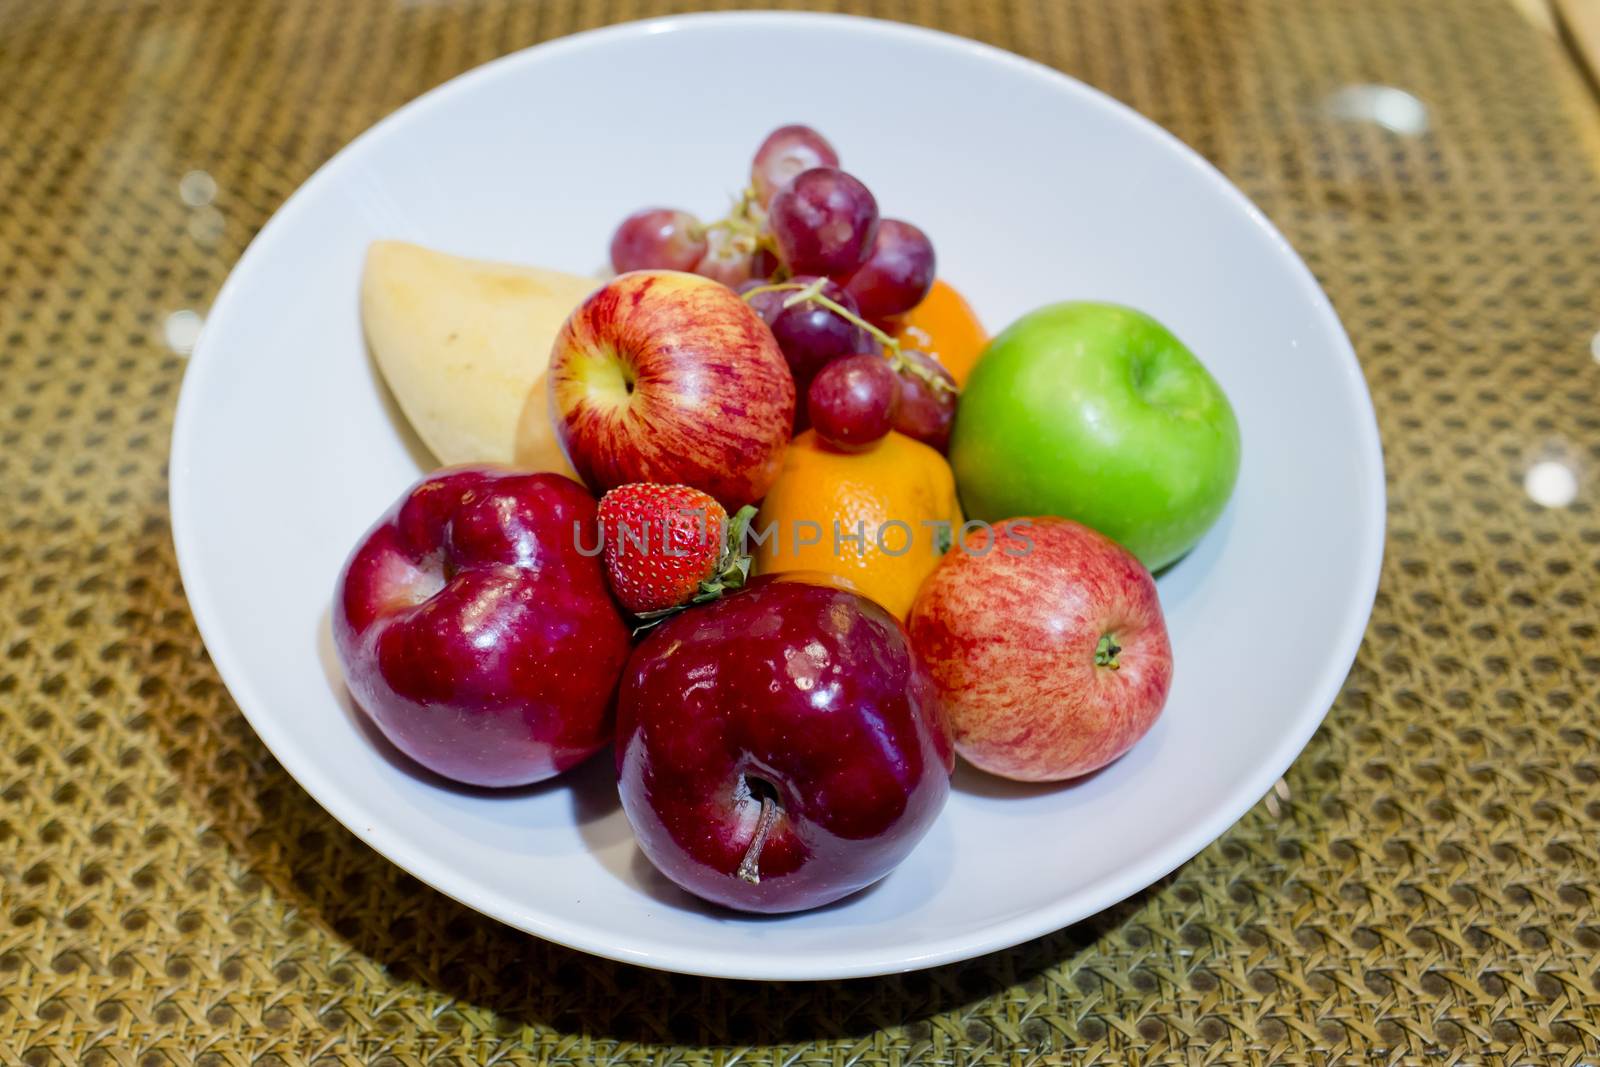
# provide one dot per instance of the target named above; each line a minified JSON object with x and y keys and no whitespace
{"x":945,"y":326}
{"x":878,"y":520}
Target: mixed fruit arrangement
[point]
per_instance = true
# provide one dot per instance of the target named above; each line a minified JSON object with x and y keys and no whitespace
{"x":768,"y":513}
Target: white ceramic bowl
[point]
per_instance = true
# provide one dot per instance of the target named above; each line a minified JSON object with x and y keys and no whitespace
{"x":1034,"y":189}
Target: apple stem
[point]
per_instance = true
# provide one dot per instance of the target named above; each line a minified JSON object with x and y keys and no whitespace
{"x":750,"y":866}
{"x":1105,"y":653}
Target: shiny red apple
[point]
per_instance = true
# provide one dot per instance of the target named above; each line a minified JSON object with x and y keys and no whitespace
{"x":476,"y":635}
{"x":1048,"y":645}
{"x":661,"y":376}
{"x":780,"y":748}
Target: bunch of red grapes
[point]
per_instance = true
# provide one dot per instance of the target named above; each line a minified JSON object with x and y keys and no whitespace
{"x":807,"y":248}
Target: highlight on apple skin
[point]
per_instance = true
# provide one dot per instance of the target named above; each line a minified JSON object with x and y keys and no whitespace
{"x":662,"y":376}
{"x":1048,"y":646}
{"x":475,"y":634}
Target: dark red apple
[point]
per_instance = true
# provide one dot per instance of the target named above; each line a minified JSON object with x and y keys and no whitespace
{"x":1048,"y":645}
{"x":475,"y":634}
{"x":661,"y":376}
{"x":780,"y":748}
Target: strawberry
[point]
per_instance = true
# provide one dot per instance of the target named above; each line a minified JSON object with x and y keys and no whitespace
{"x":668,"y":546}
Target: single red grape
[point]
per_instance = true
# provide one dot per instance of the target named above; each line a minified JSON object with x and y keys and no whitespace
{"x":924,"y":410}
{"x":658,"y":238}
{"x":812,"y":335}
{"x":763,"y":264}
{"x":824,"y":222}
{"x":852,"y":401}
{"x":786,"y":152}
{"x":809,"y":334}
{"x":897,"y":274}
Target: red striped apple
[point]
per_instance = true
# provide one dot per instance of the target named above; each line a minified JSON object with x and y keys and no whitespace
{"x":668,"y":377}
{"x":1047,"y":642}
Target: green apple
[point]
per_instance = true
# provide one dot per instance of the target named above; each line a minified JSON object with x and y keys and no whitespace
{"x":1097,"y":413}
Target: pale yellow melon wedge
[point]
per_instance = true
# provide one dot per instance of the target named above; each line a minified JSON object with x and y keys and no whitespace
{"x":464,"y":345}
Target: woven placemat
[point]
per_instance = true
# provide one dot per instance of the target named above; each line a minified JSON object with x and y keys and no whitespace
{"x":1420,"y":889}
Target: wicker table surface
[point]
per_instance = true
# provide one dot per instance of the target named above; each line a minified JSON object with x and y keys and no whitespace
{"x":1421,"y":888}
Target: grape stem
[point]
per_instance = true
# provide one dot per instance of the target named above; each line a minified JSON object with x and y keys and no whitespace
{"x":740,"y":223}
{"x":811,"y":291}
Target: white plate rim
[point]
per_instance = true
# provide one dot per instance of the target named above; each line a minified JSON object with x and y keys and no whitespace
{"x":1143,"y":872}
